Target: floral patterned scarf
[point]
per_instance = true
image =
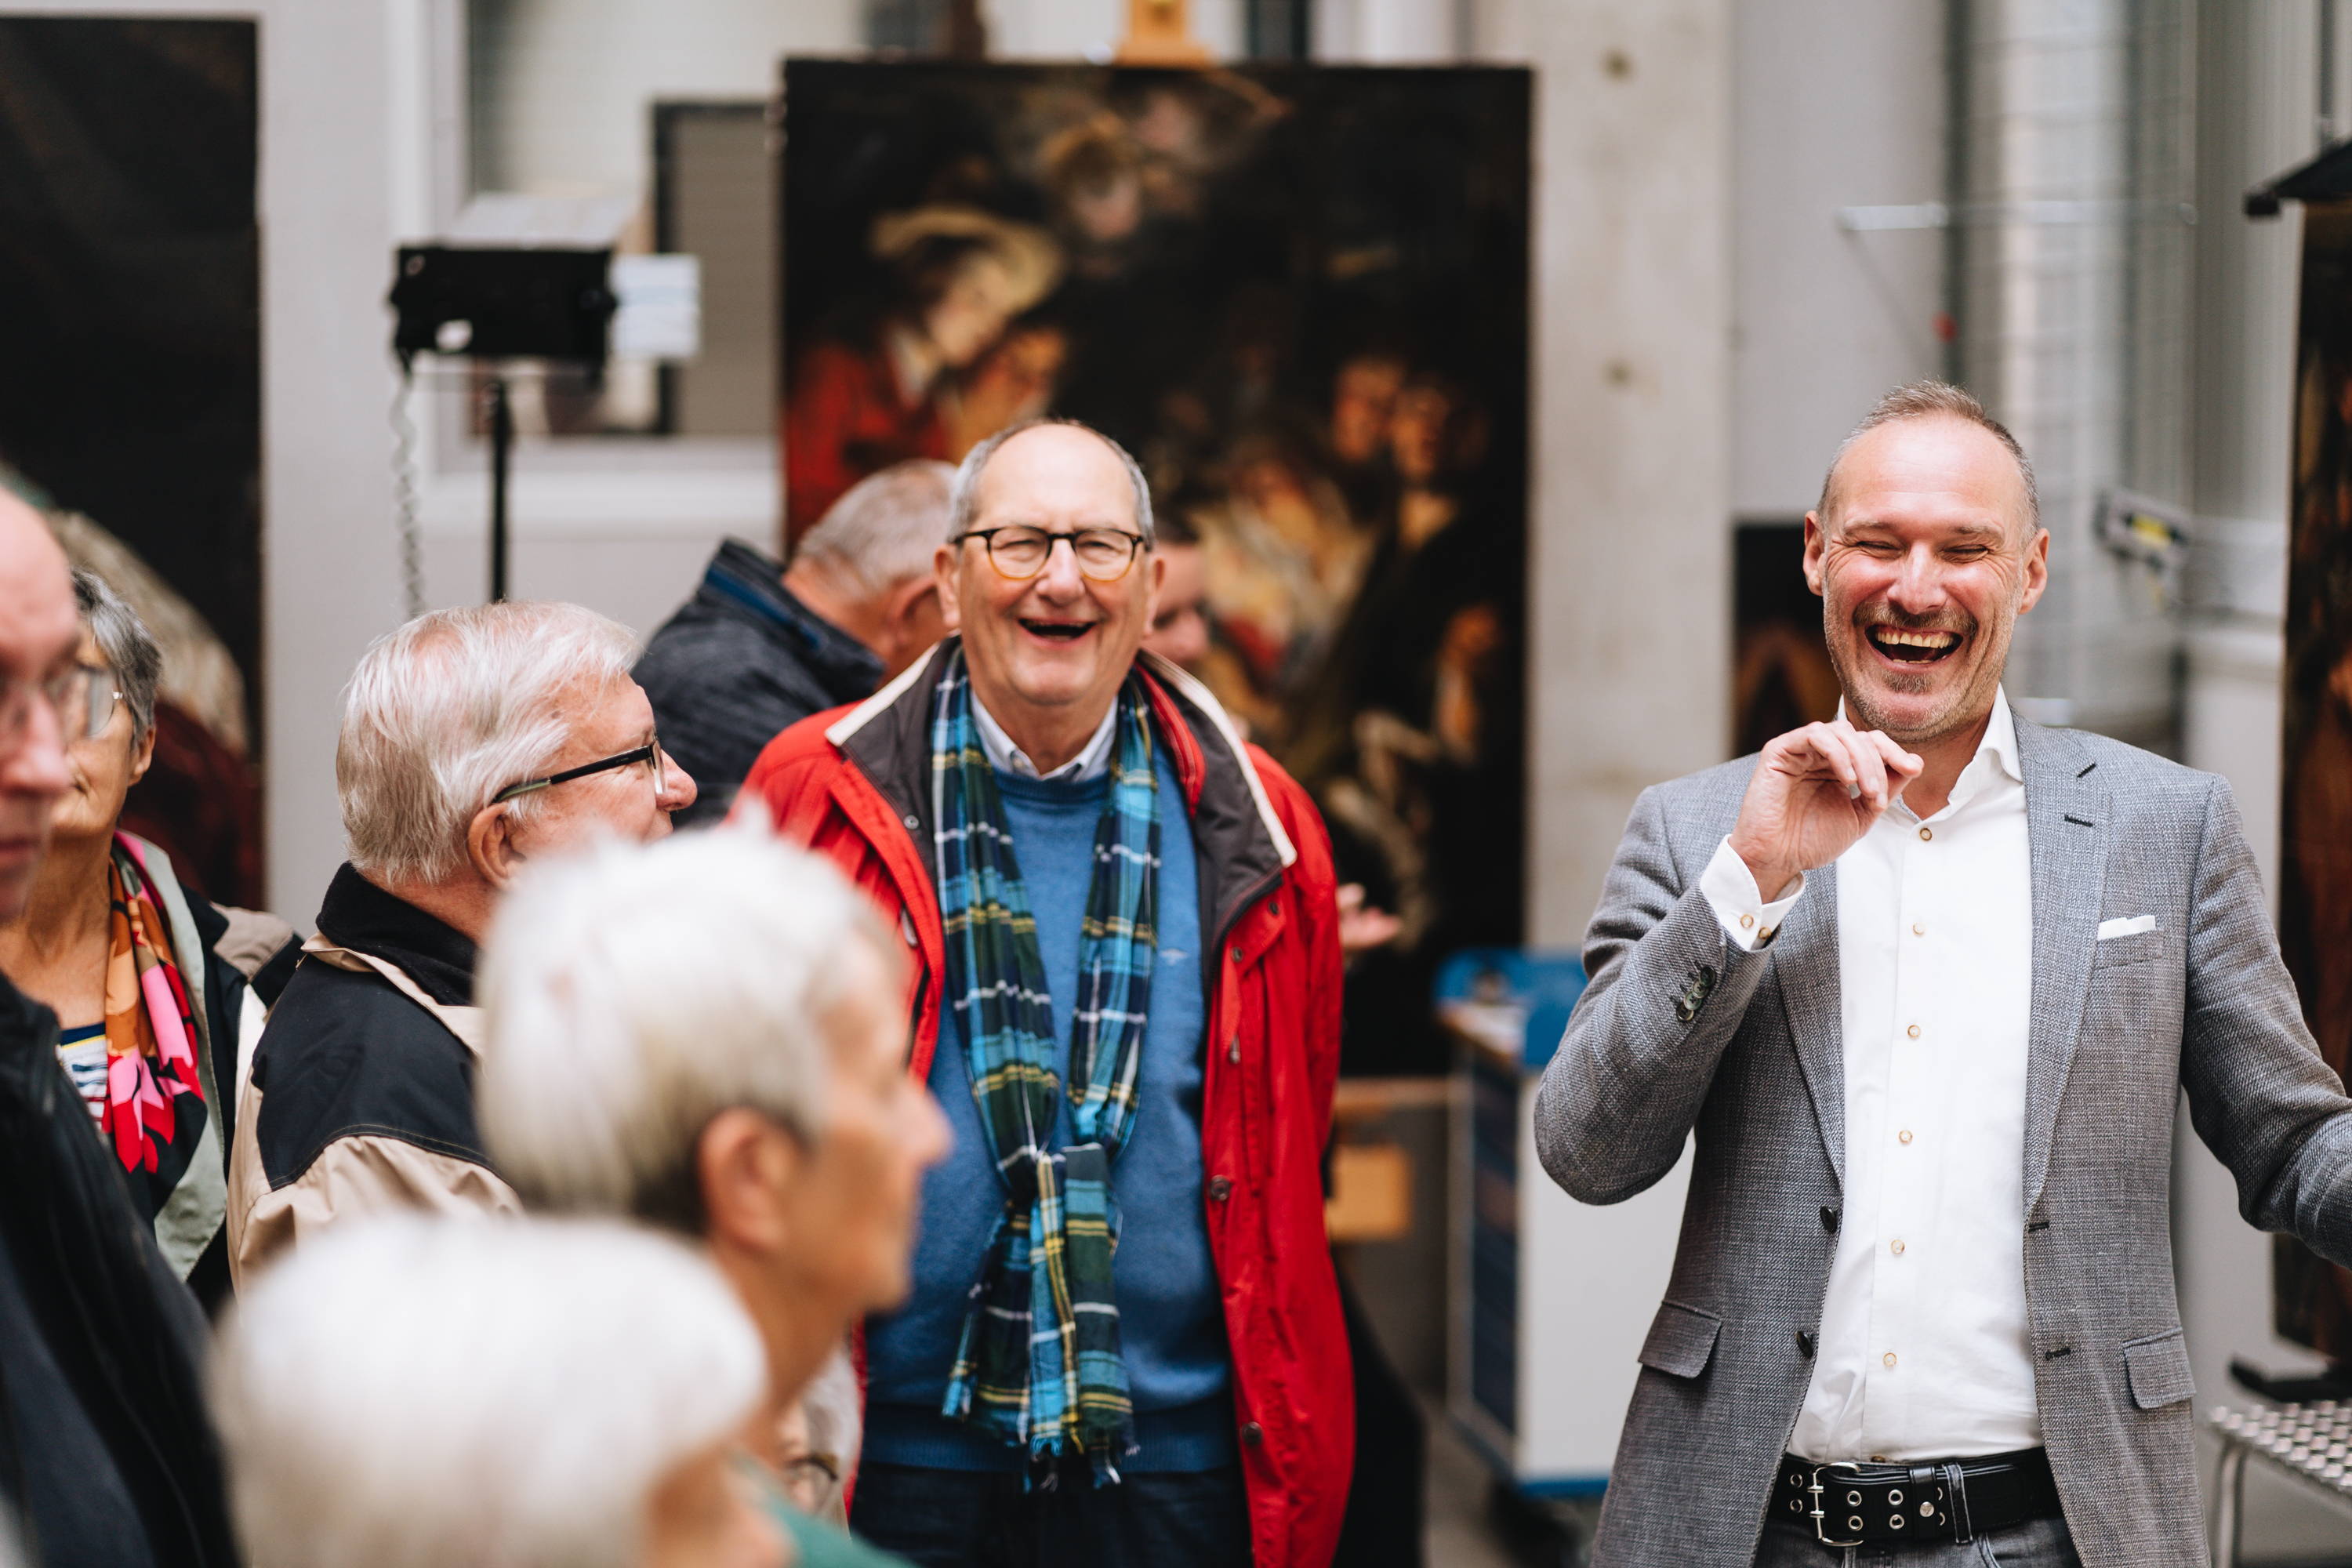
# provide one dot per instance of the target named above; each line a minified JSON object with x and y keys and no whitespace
{"x":151,"y":1030}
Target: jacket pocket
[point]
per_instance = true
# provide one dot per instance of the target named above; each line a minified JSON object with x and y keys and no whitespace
{"x":1681,"y":1339}
{"x":2157,"y":1370}
{"x":2117,"y":952}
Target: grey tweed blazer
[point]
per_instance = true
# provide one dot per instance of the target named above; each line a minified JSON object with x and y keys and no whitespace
{"x":2202,"y":1001}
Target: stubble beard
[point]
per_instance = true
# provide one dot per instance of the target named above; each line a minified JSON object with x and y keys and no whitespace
{"x":1955,"y":713}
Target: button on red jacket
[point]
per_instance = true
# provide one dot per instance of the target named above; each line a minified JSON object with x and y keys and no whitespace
{"x":854,"y":784}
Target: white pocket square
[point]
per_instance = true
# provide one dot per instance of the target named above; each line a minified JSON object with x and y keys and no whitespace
{"x":2126,"y":925}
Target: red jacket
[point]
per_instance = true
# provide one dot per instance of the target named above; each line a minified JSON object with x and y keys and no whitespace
{"x":854,"y":784}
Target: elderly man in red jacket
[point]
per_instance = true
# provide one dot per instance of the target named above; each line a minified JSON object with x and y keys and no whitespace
{"x":1127,"y":999}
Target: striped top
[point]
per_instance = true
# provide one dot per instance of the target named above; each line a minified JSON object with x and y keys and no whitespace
{"x":82,"y":1052}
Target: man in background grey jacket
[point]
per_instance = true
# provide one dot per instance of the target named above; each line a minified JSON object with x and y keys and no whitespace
{"x":1925,"y":981}
{"x":759,"y":647}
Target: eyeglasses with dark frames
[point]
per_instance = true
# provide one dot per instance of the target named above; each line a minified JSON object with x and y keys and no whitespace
{"x":650,"y":751}
{"x":1104,"y":555}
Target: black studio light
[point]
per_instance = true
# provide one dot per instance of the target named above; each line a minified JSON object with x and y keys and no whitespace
{"x":489,"y":304}
{"x":506,"y":303}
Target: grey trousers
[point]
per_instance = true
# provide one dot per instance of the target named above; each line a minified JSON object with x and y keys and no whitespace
{"x":2037,"y":1543}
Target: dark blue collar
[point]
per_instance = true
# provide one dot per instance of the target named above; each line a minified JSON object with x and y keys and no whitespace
{"x":743,"y":579}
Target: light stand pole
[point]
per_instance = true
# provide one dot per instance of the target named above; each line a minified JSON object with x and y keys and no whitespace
{"x":501,"y":451}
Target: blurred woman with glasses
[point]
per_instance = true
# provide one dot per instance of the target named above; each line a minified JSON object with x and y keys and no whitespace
{"x":153,"y":985}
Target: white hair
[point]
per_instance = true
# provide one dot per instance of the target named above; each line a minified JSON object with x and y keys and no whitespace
{"x":415,"y":1393}
{"x":884,"y":529}
{"x":964,"y":502}
{"x":634,"y":991}
{"x":453,"y":708}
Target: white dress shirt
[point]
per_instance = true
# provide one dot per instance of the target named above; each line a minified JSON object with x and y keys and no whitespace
{"x":1092,"y":762}
{"x":1923,"y":1350}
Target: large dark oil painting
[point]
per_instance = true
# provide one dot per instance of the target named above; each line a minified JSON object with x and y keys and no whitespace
{"x":2315,"y":1298}
{"x":130,"y":377}
{"x":1299,"y":296}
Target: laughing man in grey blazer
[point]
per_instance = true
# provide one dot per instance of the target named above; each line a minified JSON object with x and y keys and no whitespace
{"x":1925,"y":981}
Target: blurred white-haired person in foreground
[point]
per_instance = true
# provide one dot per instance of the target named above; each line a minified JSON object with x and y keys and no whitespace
{"x":709,"y":1034}
{"x":473,"y":742}
{"x":412,"y":1393}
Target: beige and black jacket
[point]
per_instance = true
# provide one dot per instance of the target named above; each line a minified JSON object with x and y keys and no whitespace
{"x":359,"y":1096}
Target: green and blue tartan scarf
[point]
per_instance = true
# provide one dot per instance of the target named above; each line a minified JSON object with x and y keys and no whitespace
{"x":1038,"y":1364}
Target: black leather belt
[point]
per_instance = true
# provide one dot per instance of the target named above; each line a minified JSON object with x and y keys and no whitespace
{"x":1852,"y":1504}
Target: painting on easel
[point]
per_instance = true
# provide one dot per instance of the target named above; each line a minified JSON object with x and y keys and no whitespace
{"x":1299,"y":295}
{"x":2314,"y":1298}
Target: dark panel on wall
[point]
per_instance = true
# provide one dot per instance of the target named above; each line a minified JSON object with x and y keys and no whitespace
{"x":129,"y":344}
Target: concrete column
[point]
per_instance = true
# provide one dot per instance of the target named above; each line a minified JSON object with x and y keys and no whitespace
{"x":1829,"y":318}
{"x":1632,"y":439}
{"x":331,"y":581}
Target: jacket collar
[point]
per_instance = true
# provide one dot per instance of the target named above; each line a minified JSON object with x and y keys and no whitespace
{"x":744,"y":584}
{"x":359,"y":915}
{"x":1240,"y":841}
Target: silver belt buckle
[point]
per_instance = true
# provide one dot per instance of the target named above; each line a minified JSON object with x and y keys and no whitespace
{"x":1854,"y":1521}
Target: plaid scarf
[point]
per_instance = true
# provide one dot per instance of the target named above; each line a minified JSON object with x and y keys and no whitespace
{"x":1038,"y":1364}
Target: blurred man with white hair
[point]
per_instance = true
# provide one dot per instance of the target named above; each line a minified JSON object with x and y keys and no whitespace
{"x":415,"y":1393}
{"x":759,"y":647}
{"x":473,"y":741}
{"x":706,"y":1034}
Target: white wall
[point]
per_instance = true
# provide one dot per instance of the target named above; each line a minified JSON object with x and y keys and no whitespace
{"x":1632,"y":412}
{"x":575,"y":79}
{"x":1837,"y":103}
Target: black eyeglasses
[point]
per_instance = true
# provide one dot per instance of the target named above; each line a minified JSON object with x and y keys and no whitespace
{"x":650,"y":751}
{"x":1104,"y":555}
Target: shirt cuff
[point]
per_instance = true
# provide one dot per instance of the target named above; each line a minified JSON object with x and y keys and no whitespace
{"x":1730,"y":890}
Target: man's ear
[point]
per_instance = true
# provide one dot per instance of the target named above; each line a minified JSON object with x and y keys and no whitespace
{"x":746,"y":1166}
{"x":943,"y":575}
{"x":491,"y":845}
{"x":1815,"y":542}
{"x":911,"y":605}
{"x":2037,"y":570}
{"x":1155,"y":578}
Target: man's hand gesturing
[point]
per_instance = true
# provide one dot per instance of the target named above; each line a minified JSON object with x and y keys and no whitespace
{"x":1815,"y":791}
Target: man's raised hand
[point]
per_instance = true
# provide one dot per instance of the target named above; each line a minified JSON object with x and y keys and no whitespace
{"x":1815,"y":791}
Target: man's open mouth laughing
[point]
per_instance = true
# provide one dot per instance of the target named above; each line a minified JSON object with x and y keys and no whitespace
{"x":1058,"y":631}
{"x":1905,"y":646}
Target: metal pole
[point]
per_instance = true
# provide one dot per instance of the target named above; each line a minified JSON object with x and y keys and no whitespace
{"x":501,"y":449}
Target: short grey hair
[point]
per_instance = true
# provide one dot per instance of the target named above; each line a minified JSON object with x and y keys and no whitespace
{"x":409,"y":1392}
{"x":634,"y":991}
{"x":884,"y":529}
{"x":127,"y":645}
{"x":1932,"y":399}
{"x":451,"y":709}
{"x":963,"y":504}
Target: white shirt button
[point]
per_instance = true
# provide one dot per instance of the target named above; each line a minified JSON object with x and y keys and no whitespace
{"x":1927,"y":834}
{"x":1747,"y":920}
{"x":1904,"y":1136}
{"x":1888,"y":1358}
{"x":1897,"y":1246}
{"x":1913,"y":1031}
{"x":1918,"y":929}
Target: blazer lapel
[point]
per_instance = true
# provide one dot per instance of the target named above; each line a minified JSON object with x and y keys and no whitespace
{"x":1805,"y":957}
{"x":2068,"y":828}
